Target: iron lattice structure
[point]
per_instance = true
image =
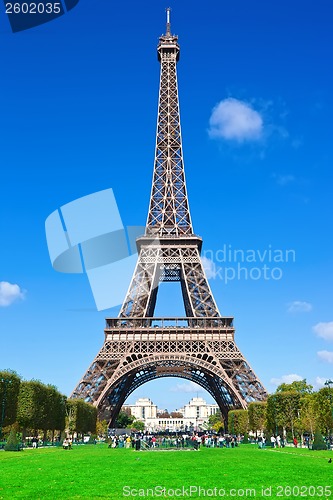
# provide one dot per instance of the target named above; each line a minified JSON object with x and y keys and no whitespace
{"x":139,"y":347}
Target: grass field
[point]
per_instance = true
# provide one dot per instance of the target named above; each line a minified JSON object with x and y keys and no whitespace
{"x":98,"y":472}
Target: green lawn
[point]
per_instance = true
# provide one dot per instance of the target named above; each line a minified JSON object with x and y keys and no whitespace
{"x":98,"y":472}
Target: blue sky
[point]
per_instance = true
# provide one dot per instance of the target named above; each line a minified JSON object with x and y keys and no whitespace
{"x":78,"y":115}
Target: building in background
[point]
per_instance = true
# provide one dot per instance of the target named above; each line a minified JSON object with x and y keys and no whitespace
{"x":142,"y":409}
{"x":192,"y":417}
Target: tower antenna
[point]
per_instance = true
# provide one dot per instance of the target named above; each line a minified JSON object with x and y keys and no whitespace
{"x":168,"y":31}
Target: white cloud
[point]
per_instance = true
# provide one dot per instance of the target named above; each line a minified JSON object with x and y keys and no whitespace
{"x":319,"y":383}
{"x":324,"y":330}
{"x":286,"y":379}
{"x":187,"y":387}
{"x":235,"y":120}
{"x":299,"y":306}
{"x":325,"y":356}
{"x":209,"y":267}
{"x":9,"y":293}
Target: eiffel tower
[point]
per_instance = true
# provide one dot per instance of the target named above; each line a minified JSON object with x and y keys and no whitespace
{"x":139,"y":347}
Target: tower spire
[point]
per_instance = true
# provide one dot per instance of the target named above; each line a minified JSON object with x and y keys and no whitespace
{"x":168,"y":25}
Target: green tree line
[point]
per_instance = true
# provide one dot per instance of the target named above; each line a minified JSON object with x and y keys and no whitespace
{"x":35,"y":408}
{"x":295,"y":409}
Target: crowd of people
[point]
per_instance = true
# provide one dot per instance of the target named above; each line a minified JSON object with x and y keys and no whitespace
{"x":151,"y":441}
{"x":146,"y":441}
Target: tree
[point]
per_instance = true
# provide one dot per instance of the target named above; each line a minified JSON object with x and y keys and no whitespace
{"x":81,"y":417}
{"x":59,"y":408}
{"x":71,"y":415}
{"x":245,"y":439}
{"x":91,"y":418}
{"x":32,"y":405}
{"x":9,"y":391}
{"x":283,"y":411}
{"x":308,"y":414}
{"x":176,"y":414}
{"x":164,"y":414}
{"x":238,"y":421}
{"x":319,"y":443}
{"x":102,"y":428}
{"x":215,"y":422}
{"x":257,"y":416}
{"x":137,"y":425}
{"x":284,"y":407}
{"x":54,"y":405}
{"x":299,"y":386}
{"x":323,"y":406}
{"x":12,"y":443}
{"x":272,"y":414}
{"x":124,"y":420}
